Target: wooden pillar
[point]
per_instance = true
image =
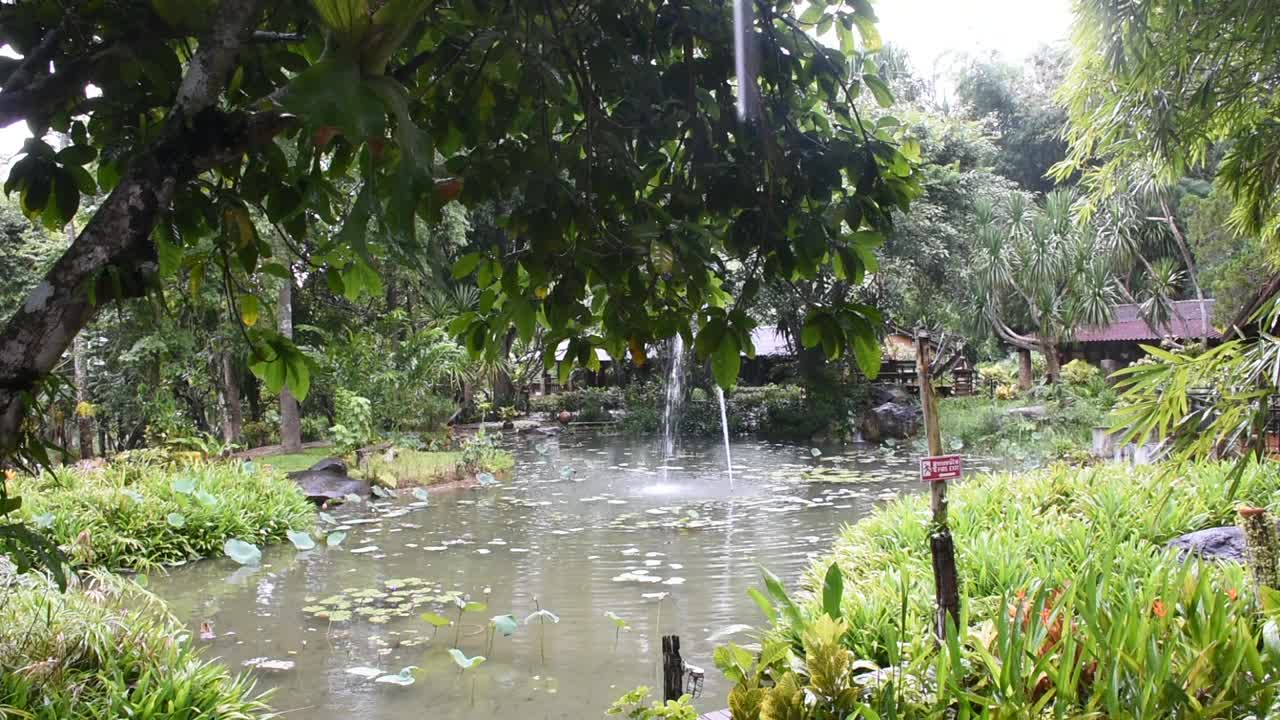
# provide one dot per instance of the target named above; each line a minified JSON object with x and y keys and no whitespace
{"x":946,"y":585}
{"x":672,"y":668}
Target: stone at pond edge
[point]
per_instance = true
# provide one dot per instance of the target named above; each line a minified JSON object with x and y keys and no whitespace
{"x":890,"y":420}
{"x":1217,"y":543}
{"x":328,"y":480}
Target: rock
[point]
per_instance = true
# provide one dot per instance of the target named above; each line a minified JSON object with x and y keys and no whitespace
{"x":328,"y":480}
{"x":890,"y":420}
{"x":1217,"y":543}
{"x":565,"y":416}
{"x":882,"y":393}
{"x":331,"y":465}
{"x":1030,"y":412}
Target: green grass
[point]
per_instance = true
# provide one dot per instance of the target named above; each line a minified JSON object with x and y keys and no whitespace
{"x":981,"y":425}
{"x":293,"y":462}
{"x":138,"y":516}
{"x":424,"y":467}
{"x":107,"y":649}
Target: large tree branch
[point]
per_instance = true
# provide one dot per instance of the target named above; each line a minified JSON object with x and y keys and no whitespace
{"x":114,"y":251}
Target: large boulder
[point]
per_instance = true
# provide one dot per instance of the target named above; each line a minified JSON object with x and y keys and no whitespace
{"x":890,"y":420}
{"x":881,"y":393}
{"x":1029,"y":412}
{"x":1217,"y":543}
{"x":328,"y":480}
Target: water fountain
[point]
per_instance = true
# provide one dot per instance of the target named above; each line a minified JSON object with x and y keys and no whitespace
{"x":724,"y":430}
{"x":674,"y":396}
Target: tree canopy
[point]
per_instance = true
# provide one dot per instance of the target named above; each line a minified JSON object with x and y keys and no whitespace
{"x":238,"y":139}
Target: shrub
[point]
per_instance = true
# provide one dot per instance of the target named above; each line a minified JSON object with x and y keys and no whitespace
{"x":353,"y":421}
{"x":1080,"y":373}
{"x":1065,"y":585}
{"x":480,"y":452}
{"x":107,"y":649}
{"x":314,"y":428}
{"x":576,"y":401}
{"x":139,"y":515}
{"x":257,"y":433}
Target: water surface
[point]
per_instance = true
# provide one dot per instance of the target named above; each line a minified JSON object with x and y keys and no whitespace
{"x":589,"y":525}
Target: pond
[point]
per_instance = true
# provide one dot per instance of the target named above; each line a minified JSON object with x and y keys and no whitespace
{"x":589,"y":528}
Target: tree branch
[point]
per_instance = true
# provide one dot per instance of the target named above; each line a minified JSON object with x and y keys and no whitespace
{"x":114,"y":249}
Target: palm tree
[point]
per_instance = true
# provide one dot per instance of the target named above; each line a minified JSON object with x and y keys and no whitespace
{"x":1039,"y":274}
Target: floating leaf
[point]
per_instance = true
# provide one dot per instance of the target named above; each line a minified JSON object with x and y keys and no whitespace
{"x":435,"y":620}
{"x":352,"y":498}
{"x":186,"y":486}
{"x":367,"y":673}
{"x":485,"y":479}
{"x":242,"y":552}
{"x":301,"y":540}
{"x":506,"y":625}
{"x":380,"y":491}
{"x":328,"y":518}
{"x":815,"y":452}
{"x":176,"y":519}
{"x":617,"y":621}
{"x":334,"y":539}
{"x":464,"y":662}
{"x":422,"y":494}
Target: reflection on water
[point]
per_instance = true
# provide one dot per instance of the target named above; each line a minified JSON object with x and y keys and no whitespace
{"x":621,"y":532}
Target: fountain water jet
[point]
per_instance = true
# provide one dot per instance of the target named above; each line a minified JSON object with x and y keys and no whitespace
{"x":674,"y":396}
{"x":724,"y":429}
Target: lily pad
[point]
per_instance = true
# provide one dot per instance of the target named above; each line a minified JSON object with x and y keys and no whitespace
{"x":242,"y":552}
{"x":367,"y":673}
{"x":422,"y":495}
{"x":205,"y":498}
{"x":486,"y":479}
{"x":301,"y":540}
{"x":176,"y":519}
{"x":380,"y":491}
{"x":435,"y":620}
{"x":334,"y":539}
{"x":542,"y":616}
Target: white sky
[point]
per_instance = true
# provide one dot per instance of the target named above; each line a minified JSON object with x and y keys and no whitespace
{"x":929,"y":30}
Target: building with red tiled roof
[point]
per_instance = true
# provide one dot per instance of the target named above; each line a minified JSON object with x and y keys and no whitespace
{"x":1119,"y":342}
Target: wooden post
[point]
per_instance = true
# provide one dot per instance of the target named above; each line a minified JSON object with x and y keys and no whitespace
{"x":672,"y":668}
{"x":946,"y":585}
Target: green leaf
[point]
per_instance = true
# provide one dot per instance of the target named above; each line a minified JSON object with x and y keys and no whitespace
{"x":177,"y":520}
{"x":833,"y":591}
{"x":331,"y":93}
{"x":242,"y":552}
{"x":466,"y":265}
{"x":506,"y":625}
{"x":435,"y":620}
{"x":248,"y":310}
{"x":726,"y":361}
{"x":301,"y":540}
{"x":878,"y":88}
{"x":765,"y":606}
{"x":335,"y":538}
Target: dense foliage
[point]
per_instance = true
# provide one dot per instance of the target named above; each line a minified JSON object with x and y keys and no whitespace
{"x":1065,"y":583}
{"x":140,"y":515}
{"x":108,"y":649}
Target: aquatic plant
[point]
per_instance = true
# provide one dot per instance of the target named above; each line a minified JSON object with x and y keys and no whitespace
{"x":618,"y":626}
{"x":465,"y":606}
{"x":107,"y":649}
{"x":143,"y":515}
{"x":505,"y":625}
{"x":542,"y":615}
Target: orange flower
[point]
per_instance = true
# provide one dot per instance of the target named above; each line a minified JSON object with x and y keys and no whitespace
{"x":1159,"y":609}
{"x":10,"y":475}
{"x":1231,"y":593}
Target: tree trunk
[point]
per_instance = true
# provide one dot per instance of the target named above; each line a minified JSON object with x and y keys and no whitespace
{"x":1025,"y":378}
{"x":290,"y":423}
{"x":83,"y":417}
{"x":1051,"y":364}
{"x":1189,"y":260}
{"x":232,"y":418}
{"x":113,"y":255}
{"x":504,"y":391}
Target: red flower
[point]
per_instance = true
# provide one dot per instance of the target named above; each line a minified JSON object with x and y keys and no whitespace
{"x":1159,"y":609}
{"x":1231,"y":593}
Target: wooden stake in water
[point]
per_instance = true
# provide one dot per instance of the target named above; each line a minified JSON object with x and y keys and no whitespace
{"x":672,"y":668}
{"x":946,"y":585}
